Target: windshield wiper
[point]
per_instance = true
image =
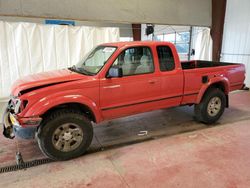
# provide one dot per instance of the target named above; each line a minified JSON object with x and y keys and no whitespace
{"x":74,"y":69}
{"x":84,"y":71}
{"x":80,"y":70}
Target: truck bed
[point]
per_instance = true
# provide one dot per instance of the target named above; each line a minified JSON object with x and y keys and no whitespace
{"x":199,"y":73}
{"x":203,"y":64}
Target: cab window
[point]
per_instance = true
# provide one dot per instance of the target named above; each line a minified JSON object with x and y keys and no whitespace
{"x":134,"y":61}
{"x":166,"y":58}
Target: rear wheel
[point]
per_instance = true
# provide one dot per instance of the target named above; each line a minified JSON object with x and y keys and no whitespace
{"x":211,"y":107}
{"x":65,"y":135}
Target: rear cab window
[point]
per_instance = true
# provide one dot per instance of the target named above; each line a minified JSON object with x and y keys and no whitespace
{"x":166,"y":58}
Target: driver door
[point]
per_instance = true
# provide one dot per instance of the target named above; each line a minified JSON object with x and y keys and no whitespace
{"x":136,"y":90}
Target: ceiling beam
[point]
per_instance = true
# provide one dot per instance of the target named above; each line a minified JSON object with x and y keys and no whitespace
{"x":175,"y":12}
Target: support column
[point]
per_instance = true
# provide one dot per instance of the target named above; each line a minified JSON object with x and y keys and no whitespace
{"x":190,"y":43}
{"x":136,"y":32}
{"x":218,"y":19}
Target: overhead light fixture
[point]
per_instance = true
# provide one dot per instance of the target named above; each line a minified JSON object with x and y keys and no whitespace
{"x":149,"y":29}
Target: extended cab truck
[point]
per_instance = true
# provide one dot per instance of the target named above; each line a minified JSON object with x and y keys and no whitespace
{"x":114,"y":80}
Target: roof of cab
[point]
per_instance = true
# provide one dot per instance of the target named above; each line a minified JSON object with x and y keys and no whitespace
{"x":136,"y":43}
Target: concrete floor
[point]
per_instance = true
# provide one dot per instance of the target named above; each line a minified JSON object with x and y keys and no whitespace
{"x":176,"y":152}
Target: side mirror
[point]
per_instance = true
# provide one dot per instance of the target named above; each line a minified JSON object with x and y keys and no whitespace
{"x":115,"y":72}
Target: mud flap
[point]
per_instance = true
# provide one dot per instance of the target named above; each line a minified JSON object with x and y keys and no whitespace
{"x":245,"y":88}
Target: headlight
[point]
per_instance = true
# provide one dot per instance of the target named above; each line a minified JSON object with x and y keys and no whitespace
{"x":17,"y":105}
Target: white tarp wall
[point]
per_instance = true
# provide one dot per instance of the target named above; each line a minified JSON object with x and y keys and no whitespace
{"x":236,"y":37}
{"x":28,"y":48}
{"x":203,"y":44}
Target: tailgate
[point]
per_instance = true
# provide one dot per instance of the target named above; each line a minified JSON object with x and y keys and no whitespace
{"x":236,"y":76}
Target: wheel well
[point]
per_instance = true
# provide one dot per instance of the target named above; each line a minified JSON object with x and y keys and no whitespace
{"x":221,"y":86}
{"x":76,"y":106}
{"x":218,"y":85}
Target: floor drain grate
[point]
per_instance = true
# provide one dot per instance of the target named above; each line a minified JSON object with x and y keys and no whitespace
{"x":25,"y":165}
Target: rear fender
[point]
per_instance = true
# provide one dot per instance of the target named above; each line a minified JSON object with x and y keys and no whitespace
{"x":213,"y":81}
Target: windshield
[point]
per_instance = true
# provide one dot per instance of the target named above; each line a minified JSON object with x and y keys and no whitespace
{"x":94,"y":61}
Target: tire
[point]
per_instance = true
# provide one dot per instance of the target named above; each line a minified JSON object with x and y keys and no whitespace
{"x":211,"y":107}
{"x":64,"y":135}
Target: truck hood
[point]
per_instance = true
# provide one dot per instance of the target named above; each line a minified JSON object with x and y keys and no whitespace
{"x":44,"y":79}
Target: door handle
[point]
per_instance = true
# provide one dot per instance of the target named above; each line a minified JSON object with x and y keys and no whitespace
{"x":112,"y":87}
{"x":152,"y":81}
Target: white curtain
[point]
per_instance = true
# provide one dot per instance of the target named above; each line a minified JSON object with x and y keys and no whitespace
{"x":203,"y":44}
{"x":29,"y":48}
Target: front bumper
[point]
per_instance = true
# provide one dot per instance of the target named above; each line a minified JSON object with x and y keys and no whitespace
{"x":24,"y":128}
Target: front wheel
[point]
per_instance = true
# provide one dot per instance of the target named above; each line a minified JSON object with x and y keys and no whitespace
{"x":65,"y":135}
{"x":211,"y":107}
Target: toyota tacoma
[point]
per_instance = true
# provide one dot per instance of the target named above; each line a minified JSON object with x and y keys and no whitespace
{"x":114,"y":80}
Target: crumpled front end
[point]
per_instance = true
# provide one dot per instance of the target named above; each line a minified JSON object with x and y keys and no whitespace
{"x":8,"y":131}
{"x":13,"y":125}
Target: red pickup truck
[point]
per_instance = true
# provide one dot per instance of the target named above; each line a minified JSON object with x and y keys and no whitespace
{"x":114,"y":80}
